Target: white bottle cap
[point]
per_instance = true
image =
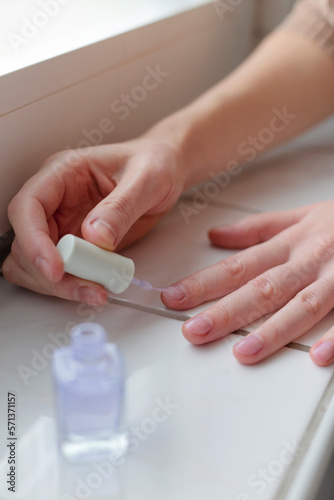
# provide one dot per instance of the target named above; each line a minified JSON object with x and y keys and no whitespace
{"x":90,"y":262}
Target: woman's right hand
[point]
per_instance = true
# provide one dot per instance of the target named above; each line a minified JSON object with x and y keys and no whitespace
{"x":111,"y":195}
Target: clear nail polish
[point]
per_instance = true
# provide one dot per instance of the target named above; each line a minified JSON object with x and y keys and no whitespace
{"x":89,"y":384}
{"x":145,"y":285}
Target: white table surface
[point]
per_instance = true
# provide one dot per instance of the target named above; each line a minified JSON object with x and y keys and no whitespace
{"x":231,"y":423}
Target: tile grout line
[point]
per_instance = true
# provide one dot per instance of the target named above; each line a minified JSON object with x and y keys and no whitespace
{"x":151,"y":310}
{"x":220,"y":204}
{"x":306,"y":440}
{"x":292,"y":345}
{"x":184,"y":317}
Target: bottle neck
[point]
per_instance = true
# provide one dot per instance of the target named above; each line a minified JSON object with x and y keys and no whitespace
{"x":88,"y":342}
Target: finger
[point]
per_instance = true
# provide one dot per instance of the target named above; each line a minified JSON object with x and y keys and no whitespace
{"x":110,"y":220}
{"x":23,"y":273}
{"x":226,"y":276}
{"x":53,"y":230}
{"x":255,"y":228}
{"x":322,"y":352}
{"x":262,"y":295}
{"x":28,"y":213}
{"x":305,"y":310}
{"x":139,"y":229}
{"x":134,"y":195}
{"x":70,"y":287}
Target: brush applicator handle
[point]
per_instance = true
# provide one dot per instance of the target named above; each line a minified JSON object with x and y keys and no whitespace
{"x":90,"y":262}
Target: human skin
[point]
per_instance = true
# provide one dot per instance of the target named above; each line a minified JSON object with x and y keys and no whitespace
{"x":114,"y":194}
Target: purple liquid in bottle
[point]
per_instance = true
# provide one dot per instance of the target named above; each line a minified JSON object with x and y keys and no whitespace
{"x":89,"y":383}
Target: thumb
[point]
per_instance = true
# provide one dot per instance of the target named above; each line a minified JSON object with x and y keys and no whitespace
{"x":111,"y":219}
{"x":256,"y":228}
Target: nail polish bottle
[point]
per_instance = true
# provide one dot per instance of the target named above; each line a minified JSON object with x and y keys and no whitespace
{"x":89,"y":384}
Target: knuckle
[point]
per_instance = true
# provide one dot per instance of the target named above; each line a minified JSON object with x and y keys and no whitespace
{"x":53,"y":289}
{"x":58,"y":156}
{"x":258,"y":226}
{"x":12,"y":208}
{"x":17,"y":254}
{"x":167,"y":197}
{"x":263,"y":286}
{"x":52,"y":159}
{"x":324,"y":248}
{"x":276,"y":334}
{"x":221,"y":313}
{"x":262,"y":232}
{"x":124,"y":210}
{"x":15,"y":250}
{"x":68,"y":157}
{"x":328,"y":240}
{"x":310,"y":301}
{"x":254,"y":223}
{"x":235,"y":266}
{"x":196,"y":286}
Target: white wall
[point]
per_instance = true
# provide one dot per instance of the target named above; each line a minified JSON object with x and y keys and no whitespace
{"x":269,"y":14}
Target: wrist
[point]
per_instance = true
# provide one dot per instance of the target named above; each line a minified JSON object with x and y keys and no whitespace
{"x":198,"y":136}
{"x":175,"y":132}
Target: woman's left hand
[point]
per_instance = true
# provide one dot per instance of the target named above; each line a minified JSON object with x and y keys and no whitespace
{"x":286,"y":268}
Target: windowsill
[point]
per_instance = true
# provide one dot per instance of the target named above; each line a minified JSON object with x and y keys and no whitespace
{"x":76,"y":24}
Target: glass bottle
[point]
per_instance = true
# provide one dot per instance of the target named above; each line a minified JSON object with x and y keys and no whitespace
{"x":89,"y":383}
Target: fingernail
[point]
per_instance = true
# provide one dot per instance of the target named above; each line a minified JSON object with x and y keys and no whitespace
{"x":44,"y":267}
{"x":219,"y":229}
{"x":175,"y":293}
{"x":324,"y":352}
{"x":102,"y":297}
{"x":104,"y":230}
{"x":199,"y":325}
{"x":249,"y":346}
{"x":87,"y":295}
{"x":216,"y":229}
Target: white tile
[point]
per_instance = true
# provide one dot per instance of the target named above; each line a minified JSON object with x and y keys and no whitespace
{"x":231,"y":419}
